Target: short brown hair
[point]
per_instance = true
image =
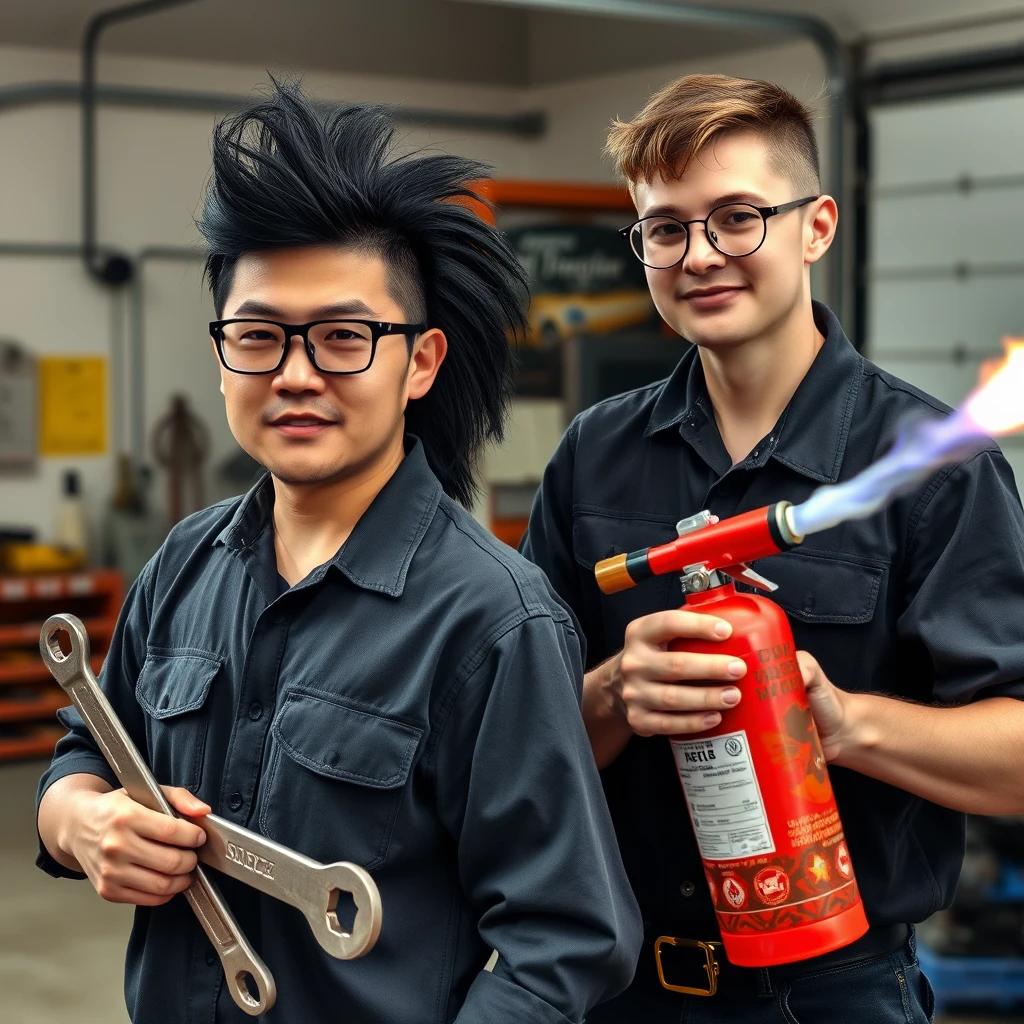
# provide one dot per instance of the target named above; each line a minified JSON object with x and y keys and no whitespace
{"x":687,"y":115}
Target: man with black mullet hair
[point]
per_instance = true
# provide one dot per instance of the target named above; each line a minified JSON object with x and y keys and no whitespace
{"x":343,"y":659}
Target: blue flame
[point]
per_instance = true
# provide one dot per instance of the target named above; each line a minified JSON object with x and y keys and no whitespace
{"x":920,"y":449}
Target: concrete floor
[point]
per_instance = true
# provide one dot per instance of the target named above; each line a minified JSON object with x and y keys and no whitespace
{"x":61,"y":946}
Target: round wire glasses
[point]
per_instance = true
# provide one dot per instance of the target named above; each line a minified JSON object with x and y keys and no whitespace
{"x":734,"y":229}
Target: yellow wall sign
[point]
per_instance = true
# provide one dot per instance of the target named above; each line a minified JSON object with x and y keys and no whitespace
{"x":72,"y":405}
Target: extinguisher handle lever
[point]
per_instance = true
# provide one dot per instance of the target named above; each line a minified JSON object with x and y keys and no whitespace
{"x":742,"y":573}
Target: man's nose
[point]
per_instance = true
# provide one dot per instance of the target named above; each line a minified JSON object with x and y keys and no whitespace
{"x":298,"y":373}
{"x":702,"y":255}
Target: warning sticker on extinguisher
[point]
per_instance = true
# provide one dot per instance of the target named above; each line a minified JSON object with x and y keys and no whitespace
{"x":724,"y":797}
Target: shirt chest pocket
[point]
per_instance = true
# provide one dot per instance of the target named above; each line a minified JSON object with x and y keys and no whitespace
{"x":335,"y":778}
{"x":597,"y":536}
{"x":831,"y":602}
{"x":172,"y":689}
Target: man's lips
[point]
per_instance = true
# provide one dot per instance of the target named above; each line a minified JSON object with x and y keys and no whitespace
{"x":710,"y":298}
{"x":300,"y":424}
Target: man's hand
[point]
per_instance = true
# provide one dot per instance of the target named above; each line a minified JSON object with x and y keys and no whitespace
{"x":130,"y":853}
{"x":648,"y":689}
{"x":655,"y":686}
{"x":828,"y":706}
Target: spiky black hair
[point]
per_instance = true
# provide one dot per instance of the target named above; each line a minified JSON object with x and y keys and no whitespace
{"x":289,"y":173}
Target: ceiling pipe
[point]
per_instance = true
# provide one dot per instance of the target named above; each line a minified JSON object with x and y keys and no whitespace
{"x":815,"y":29}
{"x":527,"y":125}
{"x":114,"y":269}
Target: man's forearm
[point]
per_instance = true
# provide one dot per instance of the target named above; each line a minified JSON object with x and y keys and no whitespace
{"x":969,"y":758}
{"x":607,"y":728}
{"x":56,"y":812}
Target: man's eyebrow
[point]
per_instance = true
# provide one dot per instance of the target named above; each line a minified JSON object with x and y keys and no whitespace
{"x":668,"y":210}
{"x":339,"y":310}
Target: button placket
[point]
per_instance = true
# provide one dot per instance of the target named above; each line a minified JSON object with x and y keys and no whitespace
{"x":256,"y":697}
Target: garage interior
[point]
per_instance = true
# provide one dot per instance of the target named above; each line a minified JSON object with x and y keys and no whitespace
{"x":110,"y":411}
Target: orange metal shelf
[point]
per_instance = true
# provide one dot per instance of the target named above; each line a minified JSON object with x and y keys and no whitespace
{"x":45,"y":706}
{"x":75,"y":584}
{"x":29,"y":697}
{"x":26,"y":634}
{"x":35,"y":671}
{"x":546,"y":195}
{"x":507,"y":192}
{"x":34,"y":744}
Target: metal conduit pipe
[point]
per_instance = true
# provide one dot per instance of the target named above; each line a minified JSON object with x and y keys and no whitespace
{"x":809,"y":27}
{"x":115,"y":269}
{"x":527,"y":125}
{"x":74,"y":251}
{"x":135,"y":375}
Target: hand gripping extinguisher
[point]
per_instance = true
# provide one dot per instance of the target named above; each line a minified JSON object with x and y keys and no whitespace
{"x":756,"y":785}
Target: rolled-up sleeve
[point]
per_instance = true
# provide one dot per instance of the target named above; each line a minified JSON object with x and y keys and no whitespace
{"x":77,"y":752}
{"x":537,"y":857}
{"x":965,"y":584}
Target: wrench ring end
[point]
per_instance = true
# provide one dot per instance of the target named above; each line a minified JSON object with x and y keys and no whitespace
{"x":64,"y":666}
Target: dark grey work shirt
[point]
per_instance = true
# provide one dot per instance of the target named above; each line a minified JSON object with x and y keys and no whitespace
{"x":412,"y":706}
{"x":924,"y":600}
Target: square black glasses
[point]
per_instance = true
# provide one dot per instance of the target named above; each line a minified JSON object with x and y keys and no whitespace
{"x":734,"y":229}
{"x":333,"y":346}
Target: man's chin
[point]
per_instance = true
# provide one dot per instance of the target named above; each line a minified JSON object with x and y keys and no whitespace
{"x":715,"y":336}
{"x":298,"y":475}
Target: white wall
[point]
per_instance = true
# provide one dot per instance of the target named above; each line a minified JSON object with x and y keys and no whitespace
{"x":152,"y":167}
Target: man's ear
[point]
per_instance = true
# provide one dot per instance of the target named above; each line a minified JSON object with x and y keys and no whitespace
{"x":820,"y":228}
{"x":428,"y":354}
{"x":220,"y":365}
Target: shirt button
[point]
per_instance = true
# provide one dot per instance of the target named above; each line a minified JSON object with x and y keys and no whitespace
{"x":235,"y":801}
{"x":255,"y":710}
{"x":211,"y":958}
{"x":687,"y":889}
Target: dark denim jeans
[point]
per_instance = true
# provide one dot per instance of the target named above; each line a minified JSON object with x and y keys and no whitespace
{"x":887,"y":990}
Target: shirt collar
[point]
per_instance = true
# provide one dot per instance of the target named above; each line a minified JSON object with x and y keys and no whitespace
{"x":381,"y":547}
{"x":813,"y":429}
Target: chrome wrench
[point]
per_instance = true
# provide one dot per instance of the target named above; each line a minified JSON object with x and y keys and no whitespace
{"x":73,"y":672}
{"x":247,"y":856}
{"x":299,"y":881}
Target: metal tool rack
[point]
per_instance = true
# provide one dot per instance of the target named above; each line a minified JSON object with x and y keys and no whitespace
{"x":29,"y":698}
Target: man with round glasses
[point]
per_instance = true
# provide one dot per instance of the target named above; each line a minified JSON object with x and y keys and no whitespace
{"x":343,"y":659}
{"x":770,"y":402}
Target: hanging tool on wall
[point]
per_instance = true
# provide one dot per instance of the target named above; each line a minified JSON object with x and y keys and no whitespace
{"x":180,"y":444}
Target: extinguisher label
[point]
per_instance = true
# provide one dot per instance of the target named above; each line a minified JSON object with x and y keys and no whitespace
{"x":724,"y":796}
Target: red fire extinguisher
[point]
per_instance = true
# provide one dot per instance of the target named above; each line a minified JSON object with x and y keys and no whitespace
{"x":756,"y":785}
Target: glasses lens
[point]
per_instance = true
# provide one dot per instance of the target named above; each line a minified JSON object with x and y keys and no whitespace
{"x":342,"y":346}
{"x":736,"y":230}
{"x":252,"y":347}
{"x":659,"y":242}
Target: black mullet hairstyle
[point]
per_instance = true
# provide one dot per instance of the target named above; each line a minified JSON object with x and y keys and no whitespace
{"x":289,"y":173}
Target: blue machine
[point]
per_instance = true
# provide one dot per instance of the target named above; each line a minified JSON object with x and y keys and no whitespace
{"x":991,"y":982}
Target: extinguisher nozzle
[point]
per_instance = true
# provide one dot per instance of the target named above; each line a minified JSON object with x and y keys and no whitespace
{"x":780,"y":525}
